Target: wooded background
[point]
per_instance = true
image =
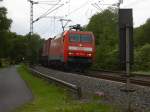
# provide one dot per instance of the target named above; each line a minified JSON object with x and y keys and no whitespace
{"x":16,"y":48}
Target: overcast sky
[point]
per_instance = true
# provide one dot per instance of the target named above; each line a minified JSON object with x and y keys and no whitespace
{"x":79,"y":12}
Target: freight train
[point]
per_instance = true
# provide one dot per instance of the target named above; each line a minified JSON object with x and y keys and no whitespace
{"x":72,"y":49}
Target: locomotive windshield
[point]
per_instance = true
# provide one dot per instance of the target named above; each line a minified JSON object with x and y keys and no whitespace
{"x":85,"y":38}
{"x":80,"y":38}
{"x":74,"y":37}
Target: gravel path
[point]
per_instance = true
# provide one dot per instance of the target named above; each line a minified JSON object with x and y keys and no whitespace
{"x":140,"y":99}
{"x":13,"y":90}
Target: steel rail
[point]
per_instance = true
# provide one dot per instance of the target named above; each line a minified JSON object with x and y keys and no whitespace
{"x":69,"y":85}
{"x":118,"y":77}
{"x":121,"y":77}
{"x":121,"y":72}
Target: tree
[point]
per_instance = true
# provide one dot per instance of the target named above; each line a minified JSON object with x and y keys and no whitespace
{"x":4,"y":28}
{"x":143,"y":58}
{"x":104,"y":27}
{"x":4,"y":21}
{"x":142,"y":46}
{"x":17,"y":47}
{"x":34,"y":43}
{"x":142,"y":34}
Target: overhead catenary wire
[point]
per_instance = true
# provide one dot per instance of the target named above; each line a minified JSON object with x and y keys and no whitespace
{"x":98,"y":6}
{"x":80,"y":7}
{"x":48,"y":30}
{"x":53,"y":10}
{"x":49,"y":9}
{"x":48,"y":1}
{"x":95,"y":6}
{"x":58,"y":5}
{"x":48,"y":13}
{"x":50,"y":4}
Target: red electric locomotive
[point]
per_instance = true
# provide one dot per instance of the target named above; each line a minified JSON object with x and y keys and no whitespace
{"x":72,"y":49}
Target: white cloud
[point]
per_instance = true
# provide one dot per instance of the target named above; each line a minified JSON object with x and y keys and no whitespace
{"x":19,"y":12}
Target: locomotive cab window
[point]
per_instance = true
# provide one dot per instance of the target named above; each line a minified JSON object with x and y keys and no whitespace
{"x":74,"y":38}
{"x":80,"y":38}
{"x":86,"y":38}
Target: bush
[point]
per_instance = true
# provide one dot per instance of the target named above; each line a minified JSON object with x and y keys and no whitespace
{"x":106,"y":59}
{"x":142,"y":58}
{"x":4,"y":62}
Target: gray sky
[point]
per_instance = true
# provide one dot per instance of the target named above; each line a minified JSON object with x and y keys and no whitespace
{"x":19,"y":12}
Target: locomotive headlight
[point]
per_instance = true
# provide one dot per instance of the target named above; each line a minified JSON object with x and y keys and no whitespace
{"x":89,"y":54}
{"x":70,"y":53}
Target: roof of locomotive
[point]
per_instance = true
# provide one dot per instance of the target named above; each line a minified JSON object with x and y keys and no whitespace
{"x":78,"y":32}
{"x":70,"y":31}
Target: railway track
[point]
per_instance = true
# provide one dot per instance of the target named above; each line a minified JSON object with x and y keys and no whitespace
{"x":73,"y":87}
{"x":143,"y":80}
{"x":115,"y":92}
{"x":123,"y":73}
{"x":138,"y":79}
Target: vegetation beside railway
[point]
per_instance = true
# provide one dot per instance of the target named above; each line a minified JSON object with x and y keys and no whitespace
{"x":16,"y":48}
{"x":104,"y":25}
{"x":50,"y":98}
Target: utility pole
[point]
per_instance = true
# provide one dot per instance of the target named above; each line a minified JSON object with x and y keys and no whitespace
{"x":44,"y":15}
{"x":31,"y":15}
{"x":67,"y":21}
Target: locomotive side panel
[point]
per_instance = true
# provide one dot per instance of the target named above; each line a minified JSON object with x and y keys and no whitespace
{"x":65,"y":45}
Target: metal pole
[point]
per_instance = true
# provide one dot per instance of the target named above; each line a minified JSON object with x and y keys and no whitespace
{"x":127,"y":56}
{"x":31,"y":18}
{"x":67,"y":21}
{"x":62,"y":24}
{"x":31,"y":15}
{"x":128,"y":67}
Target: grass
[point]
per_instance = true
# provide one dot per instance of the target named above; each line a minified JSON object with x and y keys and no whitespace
{"x":50,"y":98}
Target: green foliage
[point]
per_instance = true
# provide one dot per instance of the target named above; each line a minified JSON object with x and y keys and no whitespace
{"x":34,"y":45}
{"x":142,"y":47}
{"x":142,"y":58}
{"x":104,"y":27}
{"x":15,"y":47}
{"x":4,"y":29}
{"x":142,"y":34}
{"x":4,"y":21}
